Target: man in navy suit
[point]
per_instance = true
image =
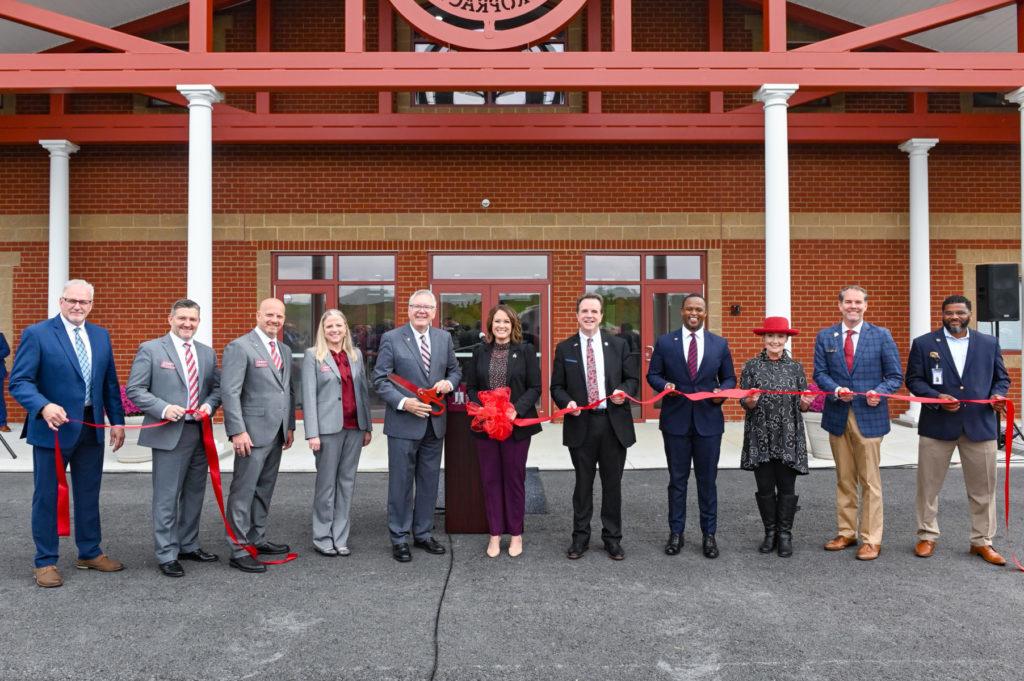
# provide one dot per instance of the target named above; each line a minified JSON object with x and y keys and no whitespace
{"x":64,"y":374}
{"x":957,"y":363}
{"x":5,"y":350}
{"x":692,"y":359}
{"x":854,"y":356}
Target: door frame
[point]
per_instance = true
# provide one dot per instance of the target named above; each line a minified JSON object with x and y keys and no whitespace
{"x":647,"y":336}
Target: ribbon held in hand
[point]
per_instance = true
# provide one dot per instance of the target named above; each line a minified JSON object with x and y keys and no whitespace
{"x":491,"y":416}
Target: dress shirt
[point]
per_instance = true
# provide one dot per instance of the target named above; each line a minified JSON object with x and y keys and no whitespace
{"x":265,"y":339}
{"x":598,"y":362}
{"x":958,"y":349}
{"x":700,"y":344}
{"x":70,"y":328}
{"x":179,"y":347}
{"x":856,"y":334}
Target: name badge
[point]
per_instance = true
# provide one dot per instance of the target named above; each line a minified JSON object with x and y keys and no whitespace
{"x":324,"y":369}
{"x":167,"y":365}
{"x":936,"y":376}
{"x":261,"y":363}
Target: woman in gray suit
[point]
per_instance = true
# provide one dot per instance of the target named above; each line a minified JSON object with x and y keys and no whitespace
{"x":336,"y":408}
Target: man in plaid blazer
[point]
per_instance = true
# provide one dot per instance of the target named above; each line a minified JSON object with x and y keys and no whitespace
{"x":850,"y":357}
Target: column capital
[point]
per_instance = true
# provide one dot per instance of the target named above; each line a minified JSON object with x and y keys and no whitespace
{"x":918,"y":146}
{"x":775,"y":93}
{"x":1016,"y":97}
{"x":59,"y":147}
{"x":201,"y":95}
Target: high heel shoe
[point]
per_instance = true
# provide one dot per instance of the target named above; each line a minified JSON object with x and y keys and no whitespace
{"x":494,"y":547}
{"x":515,"y":547}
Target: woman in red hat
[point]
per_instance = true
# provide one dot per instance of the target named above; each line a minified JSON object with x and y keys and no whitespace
{"x":774,"y":442}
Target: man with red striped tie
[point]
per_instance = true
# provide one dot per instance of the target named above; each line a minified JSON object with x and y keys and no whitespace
{"x":171,"y":376}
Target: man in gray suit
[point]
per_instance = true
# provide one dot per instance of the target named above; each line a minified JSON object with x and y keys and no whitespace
{"x":172,"y":375}
{"x":259,"y":417}
{"x":424,"y":356}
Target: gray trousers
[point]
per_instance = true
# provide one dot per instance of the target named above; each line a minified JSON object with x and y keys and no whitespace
{"x":336,"y":464}
{"x":412,"y":461}
{"x":179,"y":483}
{"x":252,"y":487}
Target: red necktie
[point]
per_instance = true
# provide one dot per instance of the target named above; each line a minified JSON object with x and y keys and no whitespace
{"x":274,"y":355}
{"x":691,"y":357}
{"x":848,"y":349}
{"x":193,"y":378}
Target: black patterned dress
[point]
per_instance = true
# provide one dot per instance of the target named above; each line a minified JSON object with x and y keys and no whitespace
{"x":774,"y":429}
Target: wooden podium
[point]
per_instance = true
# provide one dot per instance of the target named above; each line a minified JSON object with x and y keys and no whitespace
{"x":463,"y":494}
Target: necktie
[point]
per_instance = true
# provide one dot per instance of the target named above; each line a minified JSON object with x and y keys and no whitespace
{"x":425,"y":353}
{"x":691,"y":357}
{"x":593,"y":394}
{"x":274,"y":355}
{"x":192,"y":371}
{"x":83,"y":363}
{"x":848,"y":349}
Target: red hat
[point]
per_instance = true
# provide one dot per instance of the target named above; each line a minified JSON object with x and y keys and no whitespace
{"x":776,"y":325}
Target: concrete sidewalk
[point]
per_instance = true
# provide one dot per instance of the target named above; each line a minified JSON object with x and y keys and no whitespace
{"x":899,"y":448}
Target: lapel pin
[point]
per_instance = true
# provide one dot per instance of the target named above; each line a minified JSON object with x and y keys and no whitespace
{"x":514,"y":355}
{"x":835,"y":334}
{"x":606,"y":343}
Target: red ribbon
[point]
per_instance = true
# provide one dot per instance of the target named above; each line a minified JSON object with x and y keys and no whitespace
{"x":491,"y":416}
{"x":212,"y":460}
{"x":424,"y":395}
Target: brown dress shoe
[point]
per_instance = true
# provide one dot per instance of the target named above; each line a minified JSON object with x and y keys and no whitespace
{"x":868,"y":551}
{"x":48,"y":576}
{"x":924,"y":548}
{"x":6,"y":429}
{"x":101,"y":563}
{"x":840,"y":543}
{"x":989,"y":554}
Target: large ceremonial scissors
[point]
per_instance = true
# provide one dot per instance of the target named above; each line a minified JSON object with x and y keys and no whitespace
{"x":424,"y":395}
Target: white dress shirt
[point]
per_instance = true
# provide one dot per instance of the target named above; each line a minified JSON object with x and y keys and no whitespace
{"x":598,"y":362}
{"x":699,"y":333}
{"x":958,"y":349}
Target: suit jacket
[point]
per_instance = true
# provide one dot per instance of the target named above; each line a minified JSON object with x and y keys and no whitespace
{"x":157,"y":379}
{"x":46,"y":370}
{"x":322,"y":406}
{"x":569,"y":384}
{"x":399,"y":353}
{"x":5,"y":350}
{"x":680,"y":415}
{"x":523,"y":382}
{"x":256,"y":397}
{"x":876,"y":366}
{"x":984,"y":375}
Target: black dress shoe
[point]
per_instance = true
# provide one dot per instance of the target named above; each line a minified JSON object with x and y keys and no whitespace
{"x":614,"y":550}
{"x":710,"y":546}
{"x":247,"y":564}
{"x":430,"y":545}
{"x":400,"y":552}
{"x":674,"y":544}
{"x":172,"y":568}
{"x":576,"y":551}
{"x":268,"y":548}
{"x":199,"y":556}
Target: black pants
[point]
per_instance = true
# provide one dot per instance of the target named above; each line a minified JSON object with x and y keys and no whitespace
{"x":775,"y":475}
{"x":601,"y":451}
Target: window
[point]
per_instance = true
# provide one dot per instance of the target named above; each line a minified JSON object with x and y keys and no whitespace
{"x":469,"y":267}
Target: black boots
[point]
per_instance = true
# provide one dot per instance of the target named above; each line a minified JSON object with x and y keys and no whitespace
{"x":766,"y":505}
{"x":785,"y":509}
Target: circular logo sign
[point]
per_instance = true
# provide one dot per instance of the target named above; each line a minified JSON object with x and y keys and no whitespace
{"x":493,"y":16}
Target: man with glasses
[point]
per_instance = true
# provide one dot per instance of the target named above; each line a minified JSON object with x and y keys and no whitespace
{"x":423,"y":356}
{"x":63,"y":375}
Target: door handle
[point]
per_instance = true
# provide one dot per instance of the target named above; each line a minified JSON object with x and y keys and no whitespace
{"x":648,"y":351}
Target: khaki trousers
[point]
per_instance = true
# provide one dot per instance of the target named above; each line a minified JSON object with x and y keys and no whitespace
{"x":978,"y":460}
{"x":857,"y":458}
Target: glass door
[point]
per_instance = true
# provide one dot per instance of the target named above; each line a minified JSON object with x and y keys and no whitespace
{"x":302,"y":310}
{"x":663,"y":301}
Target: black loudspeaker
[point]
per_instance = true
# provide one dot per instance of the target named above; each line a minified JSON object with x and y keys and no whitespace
{"x":998,"y":298}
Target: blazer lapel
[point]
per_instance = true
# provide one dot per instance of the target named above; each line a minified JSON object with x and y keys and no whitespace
{"x":971,"y":339}
{"x":609,"y":354}
{"x":580,"y":358}
{"x":865,"y":333}
{"x":947,"y":356}
{"x":329,"y":361}
{"x":65,"y":344}
{"x":264,"y":353}
{"x":172,"y":353}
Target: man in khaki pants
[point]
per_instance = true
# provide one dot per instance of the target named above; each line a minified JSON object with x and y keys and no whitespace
{"x":851,"y":357}
{"x":957,"y":363}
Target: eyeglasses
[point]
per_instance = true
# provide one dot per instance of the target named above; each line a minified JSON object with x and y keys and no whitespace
{"x":422,"y":307}
{"x":74,"y":301}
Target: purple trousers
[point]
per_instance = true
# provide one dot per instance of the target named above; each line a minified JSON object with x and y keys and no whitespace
{"x":503,"y":477}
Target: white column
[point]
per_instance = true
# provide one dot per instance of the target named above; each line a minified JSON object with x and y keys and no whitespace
{"x":920,"y":254}
{"x":1017,"y":97}
{"x":60,"y":216}
{"x":201,"y":99}
{"x":777,"y":299}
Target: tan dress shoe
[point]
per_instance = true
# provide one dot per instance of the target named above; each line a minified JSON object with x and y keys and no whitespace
{"x":989,"y":554}
{"x":101,"y":563}
{"x":924,"y":548}
{"x":48,"y":577}
{"x":5,"y":428}
{"x":868,"y":551}
{"x":840,"y":543}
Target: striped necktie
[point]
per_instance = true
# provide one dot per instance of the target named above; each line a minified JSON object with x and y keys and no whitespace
{"x":276,"y":356}
{"x":192,"y":371}
{"x":83,"y":363}
{"x":425,"y":353}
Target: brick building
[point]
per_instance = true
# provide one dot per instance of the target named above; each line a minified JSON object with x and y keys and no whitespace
{"x":356,"y":198}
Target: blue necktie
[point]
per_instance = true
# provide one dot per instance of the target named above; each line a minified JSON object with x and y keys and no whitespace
{"x":83,"y":362}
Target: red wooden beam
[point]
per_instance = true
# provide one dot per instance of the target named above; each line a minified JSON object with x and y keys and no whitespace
{"x":774,"y":25}
{"x":522,"y":128}
{"x":355,"y":28}
{"x":398,"y":71}
{"x":622,"y":25}
{"x":385,"y":43}
{"x":916,"y":22}
{"x":263,"y":22}
{"x":716,"y":43}
{"x":70,"y":27}
{"x":1020,"y":25}
{"x":200,"y":26}
{"x":594,"y":45}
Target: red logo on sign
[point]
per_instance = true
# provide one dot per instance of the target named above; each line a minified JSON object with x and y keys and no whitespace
{"x":496,"y":27}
